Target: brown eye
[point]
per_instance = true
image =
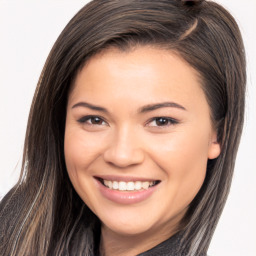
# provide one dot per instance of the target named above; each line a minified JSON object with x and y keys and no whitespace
{"x":96,"y":120}
{"x":92,"y":120}
{"x":162,"y":121}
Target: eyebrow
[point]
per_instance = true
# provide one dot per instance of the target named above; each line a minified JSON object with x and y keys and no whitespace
{"x":90,"y":106}
{"x":143,"y":109}
{"x":152,"y":107}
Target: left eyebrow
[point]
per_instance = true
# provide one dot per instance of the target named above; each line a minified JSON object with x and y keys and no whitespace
{"x":152,"y":107}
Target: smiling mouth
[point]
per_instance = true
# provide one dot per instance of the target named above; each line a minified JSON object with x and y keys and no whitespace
{"x":128,"y":186}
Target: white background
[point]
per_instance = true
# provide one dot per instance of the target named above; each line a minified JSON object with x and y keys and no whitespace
{"x":28,"y":30}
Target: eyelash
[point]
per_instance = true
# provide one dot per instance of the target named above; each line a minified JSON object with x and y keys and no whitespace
{"x":84,"y":119}
{"x":170,"y":121}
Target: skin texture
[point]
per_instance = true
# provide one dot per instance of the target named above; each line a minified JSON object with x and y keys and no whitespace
{"x":128,"y":142}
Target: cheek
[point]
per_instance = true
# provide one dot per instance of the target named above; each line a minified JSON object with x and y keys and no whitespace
{"x":79,"y":149}
{"x":79,"y":152}
{"x":183,"y":158}
{"x":181,"y":148}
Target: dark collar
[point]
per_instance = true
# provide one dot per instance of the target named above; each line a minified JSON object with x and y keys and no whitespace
{"x":167,"y":248}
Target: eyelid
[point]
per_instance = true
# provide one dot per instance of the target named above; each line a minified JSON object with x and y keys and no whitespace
{"x":172,"y":121}
{"x":84,"y":119}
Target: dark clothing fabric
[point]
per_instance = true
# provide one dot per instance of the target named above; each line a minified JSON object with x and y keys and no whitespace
{"x":169,"y":247}
{"x":166,"y":248}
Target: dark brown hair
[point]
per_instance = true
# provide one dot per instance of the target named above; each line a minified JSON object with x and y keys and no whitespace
{"x":42,"y":214}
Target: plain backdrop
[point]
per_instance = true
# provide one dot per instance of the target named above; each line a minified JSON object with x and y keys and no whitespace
{"x":28,"y":30}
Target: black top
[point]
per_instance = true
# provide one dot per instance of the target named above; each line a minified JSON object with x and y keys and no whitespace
{"x":167,"y":248}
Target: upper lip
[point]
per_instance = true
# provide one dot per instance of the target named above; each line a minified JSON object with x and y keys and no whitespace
{"x":123,"y":178}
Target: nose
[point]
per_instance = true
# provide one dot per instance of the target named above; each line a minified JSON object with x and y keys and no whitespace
{"x":124,"y":149}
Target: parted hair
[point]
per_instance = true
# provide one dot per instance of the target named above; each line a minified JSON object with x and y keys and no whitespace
{"x":42,"y":214}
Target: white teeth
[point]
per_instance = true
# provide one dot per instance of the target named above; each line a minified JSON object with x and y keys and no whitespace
{"x":128,"y":186}
{"x":138,"y":185}
{"x":145,"y":184}
{"x":115,"y":185}
{"x":122,"y":185}
{"x":110,"y":184}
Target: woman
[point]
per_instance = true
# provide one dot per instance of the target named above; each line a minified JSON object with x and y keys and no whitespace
{"x":130,"y":90}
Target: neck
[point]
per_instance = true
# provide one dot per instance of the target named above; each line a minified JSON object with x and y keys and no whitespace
{"x":114,"y":244}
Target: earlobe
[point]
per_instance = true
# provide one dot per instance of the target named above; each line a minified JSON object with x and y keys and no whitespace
{"x":214,"y":148}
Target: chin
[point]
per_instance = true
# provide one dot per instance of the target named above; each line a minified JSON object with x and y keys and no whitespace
{"x":128,"y":223}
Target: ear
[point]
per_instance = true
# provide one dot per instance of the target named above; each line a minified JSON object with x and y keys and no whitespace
{"x":214,"y":147}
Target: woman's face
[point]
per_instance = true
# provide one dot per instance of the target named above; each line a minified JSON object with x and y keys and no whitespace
{"x":137,"y":140}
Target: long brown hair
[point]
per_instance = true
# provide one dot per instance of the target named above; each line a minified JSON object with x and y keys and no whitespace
{"x":42,"y":214}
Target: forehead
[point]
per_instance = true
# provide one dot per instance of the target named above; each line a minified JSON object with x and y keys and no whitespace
{"x":141,"y":74}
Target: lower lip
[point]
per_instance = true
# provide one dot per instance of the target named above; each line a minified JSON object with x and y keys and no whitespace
{"x":125,"y":197}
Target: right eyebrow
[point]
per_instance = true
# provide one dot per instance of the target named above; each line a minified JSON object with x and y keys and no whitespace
{"x":90,"y":106}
